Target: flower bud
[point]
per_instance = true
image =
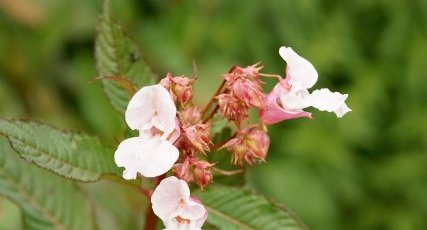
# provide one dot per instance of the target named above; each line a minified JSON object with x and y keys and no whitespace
{"x":202,"y":173}
{"x":198,"y":136}
{"x":251,"y":72}
{"x":250,"y":144}
{"x":190,"y":116}
{"x":232,"y":108}
{"x":183,"y":171}
{"x":248,"y":91}
{"x":179,"y":87}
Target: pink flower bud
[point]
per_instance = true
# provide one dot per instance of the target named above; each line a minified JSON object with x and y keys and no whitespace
{"x":183,"y":171}
{"x":250,"y":144}
{"x":198,"y":136}
{"x":248,"y":91}
{"x":190,"y":116}
{"x":202,"y":173}
{"x":179,"y":87}
{"x":232,"y":108}
{"x":251,"y":72}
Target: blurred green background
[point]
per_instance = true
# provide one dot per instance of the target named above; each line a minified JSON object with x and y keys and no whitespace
{"x":367,"y":170}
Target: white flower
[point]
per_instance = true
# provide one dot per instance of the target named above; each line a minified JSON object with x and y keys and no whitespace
{"x":152,"y":106}
{"x":152,"y":112}
{"x":172,"y":203}
{"x":149,"y":156}
{"x":300,"y":76}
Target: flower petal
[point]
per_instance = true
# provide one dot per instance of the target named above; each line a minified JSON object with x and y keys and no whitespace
{"x":273,"y":112}
{"x":150,"y":156}
{"x":168,"y":196}
{"x":301,"y":72}
{"x":151,"y":106}
{"x":166,"y":109}
{"x":325,"y":100}
{"x":193,"y":210}
{"x":140,"y":109}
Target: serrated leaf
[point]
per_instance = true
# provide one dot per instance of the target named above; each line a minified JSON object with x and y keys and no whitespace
{"x":47,"y":201}
{"x":116,"y":55}
{"x":239,"y":209}
{"x":69,"y":154}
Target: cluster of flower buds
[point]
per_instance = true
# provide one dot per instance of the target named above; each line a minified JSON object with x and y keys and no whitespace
{"x":175,"y":135}
{"x":242,"y":91}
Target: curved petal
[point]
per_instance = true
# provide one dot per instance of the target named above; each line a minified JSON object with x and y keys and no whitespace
{"x":300,"y":71}
{"x":157,"y":156}
{"x":140,"y":109}
{"x":193,"y":210}
{"x":168,"y":196}
{"x":325,"y":100}
{"x":166,"y":110}
{"x":126,"y":156}
{"x":148,"y":156}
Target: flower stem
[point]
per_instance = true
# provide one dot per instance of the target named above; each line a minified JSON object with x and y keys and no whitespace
{"x":211,"y":101}
{"x":150,"y":217}
{"x":150,"y":220}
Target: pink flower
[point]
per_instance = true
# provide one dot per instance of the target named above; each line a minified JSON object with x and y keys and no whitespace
{"x":290,"y":96}
{"x":152,"y":112}
{"x":172,"y":203}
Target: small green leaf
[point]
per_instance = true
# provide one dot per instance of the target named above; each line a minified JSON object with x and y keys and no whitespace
{"x":69,"y":154}
{"x":47,"y":201}
{"x":239,"y":209}
{"x":117,"y":56}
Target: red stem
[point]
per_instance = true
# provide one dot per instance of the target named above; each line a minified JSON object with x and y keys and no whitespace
{"x":150,"y":217}
{"x":211,"y":101}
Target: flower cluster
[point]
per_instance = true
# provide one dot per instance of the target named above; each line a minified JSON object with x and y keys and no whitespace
{"x":175,"y":135}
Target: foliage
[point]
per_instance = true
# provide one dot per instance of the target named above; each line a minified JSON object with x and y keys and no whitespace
{"x":368,"y":174}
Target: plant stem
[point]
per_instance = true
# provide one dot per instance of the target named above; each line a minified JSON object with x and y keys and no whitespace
{"x":150,"y":217}
{"x":150,"y":220}
{"x":211,"y":101}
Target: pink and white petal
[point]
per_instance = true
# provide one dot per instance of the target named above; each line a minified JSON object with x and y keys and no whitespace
{"x":298,"y":69}
{"x":201,"y":221}
{"x":157,"y":156}
{"x":140,"y":109}
{"x":166,"y":198}
{"x":166,"y":109}
{"x":325,"y":100}
{"x":273,"y":112}
{"x":126,"y":156}
{"x":193,"y":211}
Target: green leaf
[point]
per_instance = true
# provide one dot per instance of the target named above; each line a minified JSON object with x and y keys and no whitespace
{"x":47,"y":201}
{"x":67,"y":153}
{"x":117,"y":56}
{"x":233,"y":208}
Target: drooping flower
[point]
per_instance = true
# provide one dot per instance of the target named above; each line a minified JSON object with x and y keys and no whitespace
{"x":172,"y":203}
{"x":250,"y":144}
{"x":152,"y":112}
{"x":190,"y":116}
{"x":290,"y":96}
